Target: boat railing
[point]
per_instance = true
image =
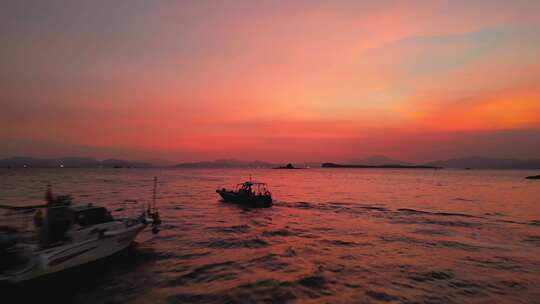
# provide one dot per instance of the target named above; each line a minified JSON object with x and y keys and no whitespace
{"x":131,"y":208}
{"x":19,"y":222}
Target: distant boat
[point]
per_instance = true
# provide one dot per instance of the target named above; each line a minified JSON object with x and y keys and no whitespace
{"x":249,"y":194}
{"x":533,"y":177}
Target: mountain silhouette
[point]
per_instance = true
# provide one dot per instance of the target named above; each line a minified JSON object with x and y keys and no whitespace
{"x":226,"y":163}
{"x":478,"y":162}
{"x":68,"y":162}
{"x":377,"y":160}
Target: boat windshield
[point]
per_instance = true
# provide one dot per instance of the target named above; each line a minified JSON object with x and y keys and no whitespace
{"x":92,"y":216}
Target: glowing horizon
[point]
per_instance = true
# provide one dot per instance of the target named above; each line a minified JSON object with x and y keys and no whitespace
{"x":270,"y":80}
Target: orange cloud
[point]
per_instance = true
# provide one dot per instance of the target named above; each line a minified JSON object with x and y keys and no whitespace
{"x":505,"y":110}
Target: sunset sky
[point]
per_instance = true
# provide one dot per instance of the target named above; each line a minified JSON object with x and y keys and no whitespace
{"x":270,"y":80}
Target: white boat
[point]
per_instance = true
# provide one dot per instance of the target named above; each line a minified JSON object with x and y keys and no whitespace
{"x":68,"y":236}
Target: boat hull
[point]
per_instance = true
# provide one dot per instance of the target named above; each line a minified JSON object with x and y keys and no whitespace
{"x":244,"y":200}
{"x":72,"y":255}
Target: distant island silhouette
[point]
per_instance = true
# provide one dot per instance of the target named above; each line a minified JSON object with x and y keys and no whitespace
{"x":333,"y":165}
{"x":289,"y":166}
{"x":465,"y":163}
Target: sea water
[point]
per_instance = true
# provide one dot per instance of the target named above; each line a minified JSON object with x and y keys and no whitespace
{"x":333,"y":236}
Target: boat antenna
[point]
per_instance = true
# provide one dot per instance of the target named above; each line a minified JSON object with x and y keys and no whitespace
{"x":154,"y":193}
{"x":49,"y":197}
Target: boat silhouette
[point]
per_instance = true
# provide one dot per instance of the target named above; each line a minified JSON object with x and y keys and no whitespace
{"x":249,"y":194}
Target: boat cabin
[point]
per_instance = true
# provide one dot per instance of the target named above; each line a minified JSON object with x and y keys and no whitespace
{"x":91,"y":215}
{"x":254,"y":188}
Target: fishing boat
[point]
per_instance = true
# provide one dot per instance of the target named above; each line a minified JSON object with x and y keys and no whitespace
{"x":249,"y":194}
{"x":64,"y":236}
